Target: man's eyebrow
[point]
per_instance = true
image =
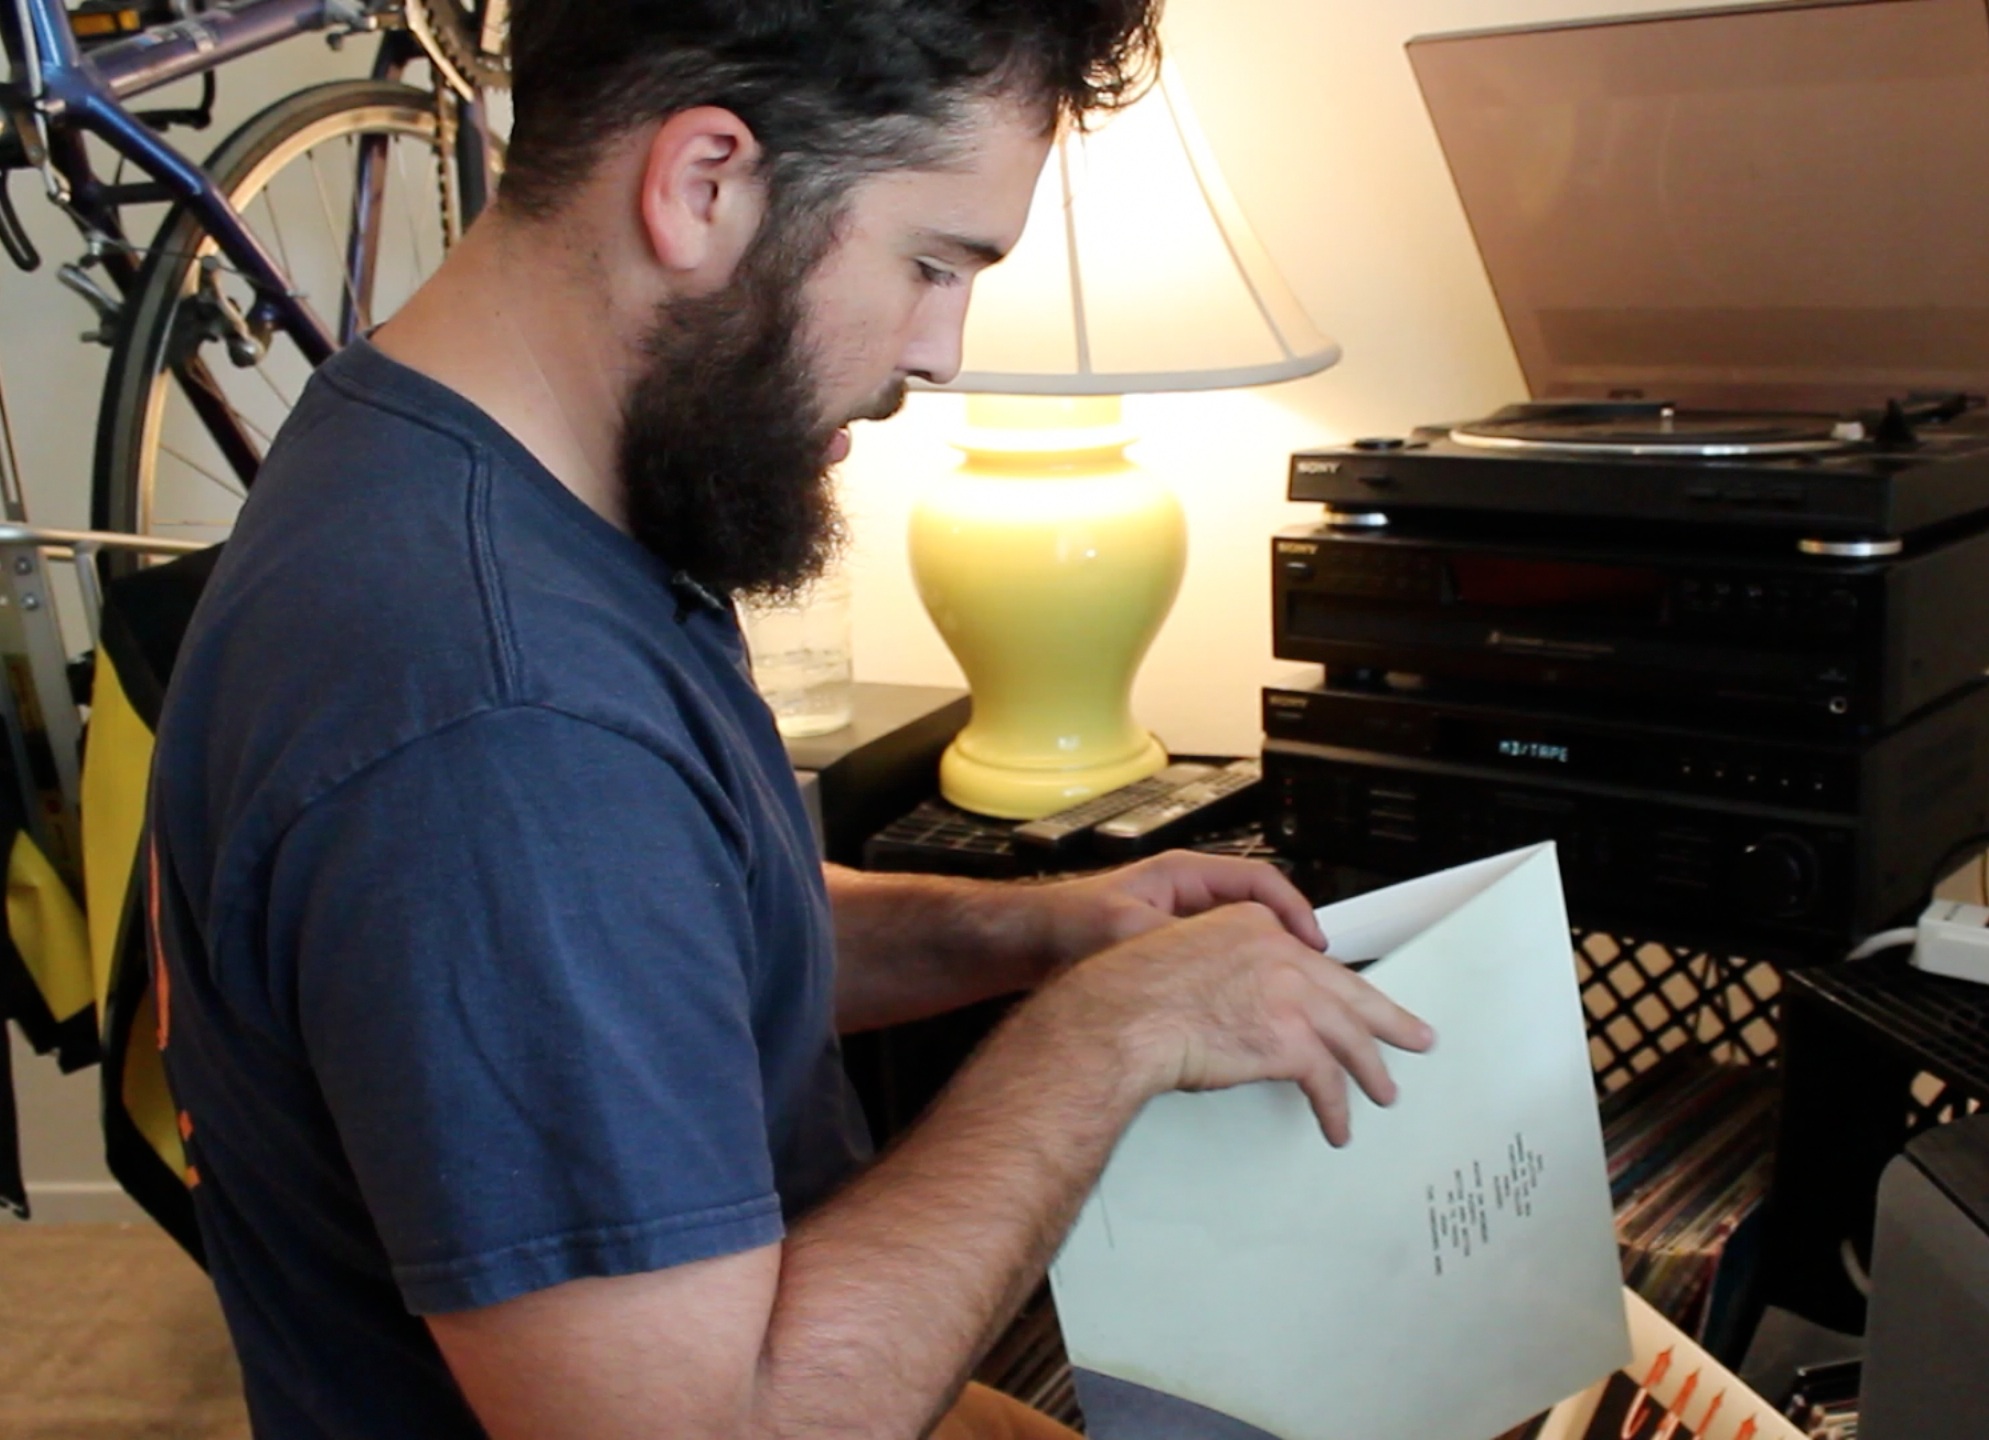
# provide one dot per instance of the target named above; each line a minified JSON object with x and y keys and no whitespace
{"x":980,"y":252}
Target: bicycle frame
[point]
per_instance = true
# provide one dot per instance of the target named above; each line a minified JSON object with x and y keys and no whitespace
{"x":56,"y":96}
{"x":68,"y":94}
{"x":71,"y":95}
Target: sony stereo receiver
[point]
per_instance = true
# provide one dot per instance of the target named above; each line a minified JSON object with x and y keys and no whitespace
{"x":1751,"y":839}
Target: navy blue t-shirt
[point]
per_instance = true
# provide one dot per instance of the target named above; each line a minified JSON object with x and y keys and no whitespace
{"x":496,"y":947}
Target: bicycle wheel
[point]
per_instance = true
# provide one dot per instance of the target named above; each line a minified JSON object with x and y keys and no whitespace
{"x":347,"y":184}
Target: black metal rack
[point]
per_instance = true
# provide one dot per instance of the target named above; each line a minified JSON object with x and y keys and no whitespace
{"x":1874,"y":1052}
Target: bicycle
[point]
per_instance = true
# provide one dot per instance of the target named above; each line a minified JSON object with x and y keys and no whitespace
{"x":214,"y":325}
{"x":347,"y":192}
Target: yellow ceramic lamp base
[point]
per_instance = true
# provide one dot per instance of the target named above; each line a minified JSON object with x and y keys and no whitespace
{"x":1048,"y":562}
{"x":1011,"y":792}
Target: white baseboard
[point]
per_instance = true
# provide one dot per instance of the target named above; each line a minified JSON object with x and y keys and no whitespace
{"x":82,"y":1202}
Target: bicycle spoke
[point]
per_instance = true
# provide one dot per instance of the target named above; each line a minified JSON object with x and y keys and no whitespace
{"x":413,"y":237}
{"x":211,"y":405}
{"x":199,"y":469}
{"x":331,"y":225}
{"x":185,"y":464}
{"x":288,"y":404}
{"x":276,"y":229}
{"x":260,"y":433}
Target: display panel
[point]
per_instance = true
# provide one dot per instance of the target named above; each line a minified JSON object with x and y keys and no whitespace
{"x":1507,"y":583}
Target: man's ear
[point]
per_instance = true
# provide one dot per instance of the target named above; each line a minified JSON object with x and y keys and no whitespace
{"x":702,"y":196}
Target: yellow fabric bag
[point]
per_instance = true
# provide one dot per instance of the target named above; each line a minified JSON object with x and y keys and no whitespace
{"x":77,"y":978}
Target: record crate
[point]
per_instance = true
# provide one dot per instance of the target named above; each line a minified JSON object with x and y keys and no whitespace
{"x":1647,"y":999}
{"x":1868,"y":1054}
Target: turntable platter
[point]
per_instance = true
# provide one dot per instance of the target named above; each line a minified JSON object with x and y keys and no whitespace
{"x":1651,"y":429}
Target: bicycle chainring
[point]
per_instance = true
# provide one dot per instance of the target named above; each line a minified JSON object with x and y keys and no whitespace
{"x":445,"y":30}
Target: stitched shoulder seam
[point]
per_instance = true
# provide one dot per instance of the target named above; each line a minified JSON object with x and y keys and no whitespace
{"x":359,"y":772}
{"x":363,"y":394}
{"x":489,"y":580}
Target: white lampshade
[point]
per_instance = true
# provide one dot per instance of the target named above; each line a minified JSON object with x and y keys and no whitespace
{"x":1137,"y":272}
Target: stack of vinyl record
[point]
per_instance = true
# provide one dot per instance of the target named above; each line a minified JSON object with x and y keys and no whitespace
{"x":1689,"y":1149}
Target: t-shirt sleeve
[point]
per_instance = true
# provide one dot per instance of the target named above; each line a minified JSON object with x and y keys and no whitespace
{"x":523,"y":956}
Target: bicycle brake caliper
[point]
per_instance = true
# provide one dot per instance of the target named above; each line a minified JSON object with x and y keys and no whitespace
{"x":220,"y":318}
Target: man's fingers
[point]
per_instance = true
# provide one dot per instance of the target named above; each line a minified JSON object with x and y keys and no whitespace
{"x":1325,"y":1085}
{"x":1285,"y":901}
{"x":1352,"y":1046}
{"x":1382,"y":1016}
{"x":1206,"y":881}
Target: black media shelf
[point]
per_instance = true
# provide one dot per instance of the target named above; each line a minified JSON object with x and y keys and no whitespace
{"x":1873,"y":1053}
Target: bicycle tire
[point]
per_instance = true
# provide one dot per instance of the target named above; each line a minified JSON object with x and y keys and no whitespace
{"x":246,"y":166}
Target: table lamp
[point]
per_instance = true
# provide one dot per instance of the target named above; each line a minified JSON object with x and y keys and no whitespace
{"x":1048,"y":560}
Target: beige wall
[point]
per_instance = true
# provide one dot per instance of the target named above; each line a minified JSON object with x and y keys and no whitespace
{"x":1312,"y":109}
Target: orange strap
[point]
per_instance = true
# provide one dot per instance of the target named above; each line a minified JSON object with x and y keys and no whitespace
{"x":984,"y":1414}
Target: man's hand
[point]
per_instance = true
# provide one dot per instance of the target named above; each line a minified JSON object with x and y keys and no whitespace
{"x":865,"y":1319}
{"x":1084,"y":916}
{"x":1231,"y":996}
{"x":915,"y":945}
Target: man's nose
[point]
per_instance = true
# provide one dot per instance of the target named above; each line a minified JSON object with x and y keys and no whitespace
{"x":933,"y":350}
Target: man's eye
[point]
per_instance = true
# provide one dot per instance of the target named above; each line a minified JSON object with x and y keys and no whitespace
{"x":932,"y":274}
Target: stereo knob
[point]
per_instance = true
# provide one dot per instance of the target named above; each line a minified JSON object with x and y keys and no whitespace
{"x":1778,"y":876}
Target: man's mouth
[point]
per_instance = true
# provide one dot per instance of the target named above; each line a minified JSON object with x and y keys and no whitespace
{"x":888,"y":403}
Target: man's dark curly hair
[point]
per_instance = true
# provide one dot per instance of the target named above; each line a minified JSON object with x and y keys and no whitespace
{"x":833,"y":89}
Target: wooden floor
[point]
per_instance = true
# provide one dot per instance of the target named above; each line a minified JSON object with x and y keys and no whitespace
{"x":108,"y":1332}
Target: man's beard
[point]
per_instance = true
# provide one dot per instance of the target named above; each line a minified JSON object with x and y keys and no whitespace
{"x":724,"y":444}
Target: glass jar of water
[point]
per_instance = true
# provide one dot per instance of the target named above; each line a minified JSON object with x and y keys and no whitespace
{"x":801,"y":657}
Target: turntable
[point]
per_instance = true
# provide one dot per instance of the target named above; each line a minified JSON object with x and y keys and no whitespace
{"x":1841,"y":485}
{"x":1738,"y":255}
{"x":1652,"y":428}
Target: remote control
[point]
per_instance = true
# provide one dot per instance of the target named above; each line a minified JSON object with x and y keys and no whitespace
{"x":1054,"y":831}
{"x":1193,"y":807}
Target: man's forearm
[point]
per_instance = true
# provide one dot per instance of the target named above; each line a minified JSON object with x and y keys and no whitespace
{"x":908,"y":946}
{"x":890,"y":1292}
{"x":863,"y":1322}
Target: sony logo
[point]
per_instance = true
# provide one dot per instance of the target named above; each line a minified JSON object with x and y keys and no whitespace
{"x":1298,"y":547}
{"x":1285,"y":702}
{"x":1318,"y":467}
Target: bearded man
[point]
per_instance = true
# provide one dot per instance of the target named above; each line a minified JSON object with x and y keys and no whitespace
{"x":501,"y":978}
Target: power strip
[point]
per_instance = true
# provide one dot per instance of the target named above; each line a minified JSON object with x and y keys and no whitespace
{"x":1953,"y":939}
